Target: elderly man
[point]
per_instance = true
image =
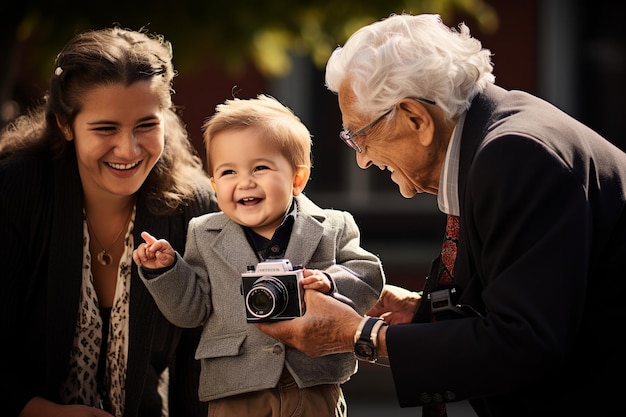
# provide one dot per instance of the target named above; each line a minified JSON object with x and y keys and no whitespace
{"x":519,"y":314}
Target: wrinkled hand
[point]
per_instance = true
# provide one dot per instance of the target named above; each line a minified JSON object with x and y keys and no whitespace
{"x":396,"y":305}
{"x":154,"y":253}
{"x":328,"y":326}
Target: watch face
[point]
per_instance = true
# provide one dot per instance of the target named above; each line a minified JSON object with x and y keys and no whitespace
{"x":364,"y":350}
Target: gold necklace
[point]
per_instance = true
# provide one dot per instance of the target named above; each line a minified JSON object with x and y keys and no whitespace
{"x":103,"y":257}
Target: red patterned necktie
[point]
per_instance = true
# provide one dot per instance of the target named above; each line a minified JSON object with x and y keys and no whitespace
{"x":448,"y":250}
{"x":446,"y":275}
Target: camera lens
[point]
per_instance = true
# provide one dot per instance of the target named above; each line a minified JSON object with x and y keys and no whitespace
{"x":267,"y":298}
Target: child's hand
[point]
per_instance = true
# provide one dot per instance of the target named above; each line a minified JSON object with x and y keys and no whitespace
{"x":154,"y":253}
{"x":315,"y":280}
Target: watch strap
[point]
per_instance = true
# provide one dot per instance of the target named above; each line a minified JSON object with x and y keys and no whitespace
{"x":375,"y":329}
{"x":368,"y":325}
{"x":359,"y":330}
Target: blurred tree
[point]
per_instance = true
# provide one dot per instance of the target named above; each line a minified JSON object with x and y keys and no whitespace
{"x":226,"y":34}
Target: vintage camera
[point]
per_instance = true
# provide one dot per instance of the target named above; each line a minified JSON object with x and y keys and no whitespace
{"x":272,"y":291}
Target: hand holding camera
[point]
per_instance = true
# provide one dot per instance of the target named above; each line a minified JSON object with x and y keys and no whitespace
{"x":274,"y":289}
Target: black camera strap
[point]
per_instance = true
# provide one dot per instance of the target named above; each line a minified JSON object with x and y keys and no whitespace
{"x":444,"y":295}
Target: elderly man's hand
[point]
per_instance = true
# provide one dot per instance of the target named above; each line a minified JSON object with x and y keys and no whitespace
{"x":396,"y":305}
{"x":328,"y":326}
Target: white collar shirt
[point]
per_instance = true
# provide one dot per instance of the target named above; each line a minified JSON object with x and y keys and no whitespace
{"x":448,"y":195}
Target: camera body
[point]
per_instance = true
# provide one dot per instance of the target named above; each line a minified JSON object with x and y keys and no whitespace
{"x":272,"y":291}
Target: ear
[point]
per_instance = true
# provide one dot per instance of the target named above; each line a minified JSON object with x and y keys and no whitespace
{"x":65,"y":129}
{"x":300,"y":179}
{"x":419,"y":120}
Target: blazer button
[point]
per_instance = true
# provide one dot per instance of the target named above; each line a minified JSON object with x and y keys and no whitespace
{"x":425,"y":398}
{"x":449,"y":395}
{"x":277,"y":350}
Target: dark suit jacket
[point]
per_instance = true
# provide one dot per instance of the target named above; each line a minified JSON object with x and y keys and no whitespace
{"x":41,"y":250}
{"x":542,"y":257}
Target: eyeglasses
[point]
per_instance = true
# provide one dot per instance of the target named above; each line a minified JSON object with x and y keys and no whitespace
{"x":348,"y":138}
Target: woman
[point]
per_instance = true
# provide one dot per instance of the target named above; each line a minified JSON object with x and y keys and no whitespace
{"x":102,"y":158}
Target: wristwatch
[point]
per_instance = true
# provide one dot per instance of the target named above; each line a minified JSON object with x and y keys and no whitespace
{"x":366,"y":338}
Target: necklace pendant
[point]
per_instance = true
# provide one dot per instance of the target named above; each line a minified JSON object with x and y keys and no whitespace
{"x":104,"y":258}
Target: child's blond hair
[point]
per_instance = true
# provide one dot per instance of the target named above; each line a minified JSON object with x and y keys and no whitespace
{"x":275,"y":122}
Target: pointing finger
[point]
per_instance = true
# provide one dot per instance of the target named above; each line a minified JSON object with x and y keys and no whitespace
{"x":148,"y":238}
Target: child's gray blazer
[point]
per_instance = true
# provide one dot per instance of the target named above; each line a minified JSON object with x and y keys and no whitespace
{"x":203,"y":289}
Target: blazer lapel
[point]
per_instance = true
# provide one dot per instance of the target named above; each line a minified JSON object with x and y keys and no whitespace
{"x":474,"y":132}
{"x":65,"y":263}
{"x":307,"y":232}
{"x":231,"y":244}
{"x":233,"y":247}
{"x":143,"y":311}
